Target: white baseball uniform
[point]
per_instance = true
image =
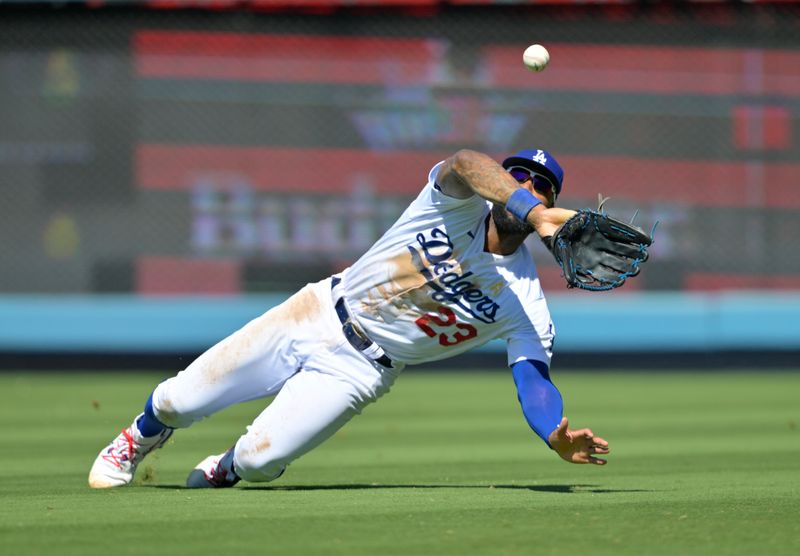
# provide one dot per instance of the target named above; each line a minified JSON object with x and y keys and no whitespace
{"x":427,"y":290}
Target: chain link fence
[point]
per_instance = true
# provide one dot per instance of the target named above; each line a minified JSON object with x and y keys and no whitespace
{"x":158,"y":151}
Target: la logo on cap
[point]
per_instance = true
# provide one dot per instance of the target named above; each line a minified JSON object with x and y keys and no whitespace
{"x":540,"y":157}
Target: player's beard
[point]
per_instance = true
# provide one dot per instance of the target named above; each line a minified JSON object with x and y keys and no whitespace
{"x":507,"y":224}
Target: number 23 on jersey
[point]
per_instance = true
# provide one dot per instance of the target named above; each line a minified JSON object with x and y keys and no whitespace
{"x":445,"y":326}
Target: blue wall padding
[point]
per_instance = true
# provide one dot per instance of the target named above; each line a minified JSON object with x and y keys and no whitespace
{"x":584,"y":321}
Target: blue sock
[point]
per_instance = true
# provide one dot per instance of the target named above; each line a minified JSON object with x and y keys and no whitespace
{"x":147,"y":424}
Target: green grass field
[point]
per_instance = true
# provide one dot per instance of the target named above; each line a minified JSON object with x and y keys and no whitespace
{"x":444,"y":464}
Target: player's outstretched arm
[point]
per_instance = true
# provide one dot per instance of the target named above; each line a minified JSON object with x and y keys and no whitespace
{"x":469,"y":172}
{"x":538,"y":397}
{"x":577,"y":446}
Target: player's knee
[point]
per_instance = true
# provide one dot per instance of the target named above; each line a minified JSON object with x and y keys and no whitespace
{"x":170,"y":411}
{"x":259,"y":463}
{"x":264,"y":474}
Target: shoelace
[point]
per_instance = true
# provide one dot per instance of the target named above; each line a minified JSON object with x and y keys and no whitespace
{"x":218,"y":476}
{"x":116,"y":455}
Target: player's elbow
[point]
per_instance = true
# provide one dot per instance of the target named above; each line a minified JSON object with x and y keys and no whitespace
{"x":454,"y":178}
{"x":463,"y":160}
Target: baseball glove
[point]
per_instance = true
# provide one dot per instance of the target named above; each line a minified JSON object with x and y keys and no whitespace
{"x":597,"y":252}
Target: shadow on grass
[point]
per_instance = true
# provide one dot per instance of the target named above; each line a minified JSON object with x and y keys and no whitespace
{"x":563,"y":489}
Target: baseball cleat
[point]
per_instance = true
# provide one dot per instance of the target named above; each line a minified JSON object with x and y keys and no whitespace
{"x":214,"y":472}
{"x":116,"y":463}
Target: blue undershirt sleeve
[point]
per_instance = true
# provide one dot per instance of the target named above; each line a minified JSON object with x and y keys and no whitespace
{"x":540,"y":399}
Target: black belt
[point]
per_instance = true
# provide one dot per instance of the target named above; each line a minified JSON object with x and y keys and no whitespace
{"x":356,"y":339}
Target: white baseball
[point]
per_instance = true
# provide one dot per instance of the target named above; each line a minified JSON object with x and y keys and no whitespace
{"x":536,"y":57}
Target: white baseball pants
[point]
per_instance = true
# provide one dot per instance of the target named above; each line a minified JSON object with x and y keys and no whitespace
{"x":296,"y":350}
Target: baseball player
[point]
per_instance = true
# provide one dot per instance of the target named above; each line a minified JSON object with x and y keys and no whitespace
{"x":451,"y":274}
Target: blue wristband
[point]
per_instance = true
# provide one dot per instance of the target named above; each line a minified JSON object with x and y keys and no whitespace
{"x":521,"y":203}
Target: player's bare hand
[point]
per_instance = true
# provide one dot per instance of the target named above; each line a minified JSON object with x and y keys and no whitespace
{"x":547,"y":220}
{"x":577,"y":446}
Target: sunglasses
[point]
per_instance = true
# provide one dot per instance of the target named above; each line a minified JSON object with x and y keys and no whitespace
{"x":540,"y":182}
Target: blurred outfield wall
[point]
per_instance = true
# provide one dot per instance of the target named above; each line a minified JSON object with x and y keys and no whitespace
{"x":166,"y":174}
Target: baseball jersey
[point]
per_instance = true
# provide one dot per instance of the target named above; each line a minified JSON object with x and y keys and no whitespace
{"x":427,"y":289}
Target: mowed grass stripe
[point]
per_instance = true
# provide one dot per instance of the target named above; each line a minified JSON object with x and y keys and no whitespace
{"x":701,"y":463}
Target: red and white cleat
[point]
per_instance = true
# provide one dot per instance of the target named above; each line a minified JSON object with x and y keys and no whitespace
{"x":214,"y":472}
{"x":116,"y":463}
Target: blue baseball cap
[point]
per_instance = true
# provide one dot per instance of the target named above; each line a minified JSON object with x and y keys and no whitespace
{"x":539,"y":161}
